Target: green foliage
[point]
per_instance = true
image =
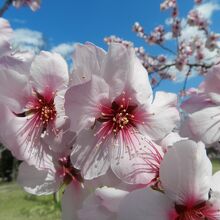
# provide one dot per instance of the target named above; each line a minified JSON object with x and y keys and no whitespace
{"x":18,"y":205}
{"x":215,"y":165}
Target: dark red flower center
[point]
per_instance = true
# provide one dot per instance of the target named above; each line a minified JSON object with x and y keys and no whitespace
{"x":68,"y":172}
{"x":120,"y":116}
{"x":200,"y":211}
{"x":42,"y":108}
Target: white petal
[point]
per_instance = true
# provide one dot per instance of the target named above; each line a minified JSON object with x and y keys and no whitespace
{"x":186,"y":171}
{"x":82,"y":102}
{"x":216,"y":182}
{"x":138,"y":81}
{"x":72,"y":201}
{"x":11,"y":82}
{"x":197,"y":102}
{"x":145,"y":204}
{"x":137,"y":163}
{"x":110,"y":197}
{"x":205,"y":124}
{"x":26,"y":143}
{"x":36,"y":181}
{"x":87,"y":61}
{"x":170,"y":139}
{"x":162,"y":116}
{"x":49,"y":70}
{"x":103,"y":204}
{"x":115,"y":68}
{"x":89,"y":156}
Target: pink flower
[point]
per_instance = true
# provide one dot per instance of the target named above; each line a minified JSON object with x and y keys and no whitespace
{"x":43,"y":180}
{"x":34,"y":112}
{"x":33,"y":4}
{"x":5,"y":35}
{"x":102,"y":204}
{"x":113,"y":111}
{"x":190,"y":191}
{"x":203,"y":122}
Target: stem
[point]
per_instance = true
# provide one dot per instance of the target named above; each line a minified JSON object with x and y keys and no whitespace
{"x":5,"y":7}
{"x":56,"y":198}
{"x":166,"y":48}
{"x":186,"y":79}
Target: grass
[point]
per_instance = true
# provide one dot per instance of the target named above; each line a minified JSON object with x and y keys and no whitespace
{"x":216,"y":165}
{"x":15,"y":204}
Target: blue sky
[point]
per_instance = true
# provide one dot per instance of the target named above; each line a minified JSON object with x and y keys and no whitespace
{"x":71,"y":21}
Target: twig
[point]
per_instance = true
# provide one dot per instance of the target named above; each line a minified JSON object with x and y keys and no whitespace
{"x":5,"y":7}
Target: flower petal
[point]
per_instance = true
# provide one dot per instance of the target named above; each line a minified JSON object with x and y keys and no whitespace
{"x":186,"y":171}
{"x":103,"y":204}
{"x":89,"y":155}
{"x":9,"y":94}
{"x":36,"y":181}
{"x":205,"y":124}
{"x":145,"y":204}
{"x":197,"y":102}
{"x":162,"y":116}
{"x":138,"y":81}
{"x":115,"y":68}
{"x":140,"y":167}
{"x":49,"y":70}
{"x":26,"y":144}
{"x":87,"y":61}
{"x":82,"y":102}
{"x":72,"y":201}
{"x":215,"y":182}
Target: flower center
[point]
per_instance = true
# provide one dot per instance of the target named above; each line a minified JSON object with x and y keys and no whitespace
{"x":120,"y":116}
{"x":68,"y":172}
{"x":42,"y":108}
{"x":201,"y":211}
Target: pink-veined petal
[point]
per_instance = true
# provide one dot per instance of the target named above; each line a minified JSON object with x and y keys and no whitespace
{"x":185,"y":172}
{"x":196,"y":102}
{"x":24,"y":145}
{"x":162,"y":116}
{"x":90,"y":156}
{"x":138,"y":163}
{"x":205,"y":124}
{"x":116,"y":67}
{"x":87,"y":61}
{"x":138,"y":81}
{"x":38,"y":181}
{"x":49,"y":70}
{"x":12,"y":82}
{"x":145,"y":204}
{"x":72,"y":201}
{"x":103,"y":204}
{"x":82,"y":102}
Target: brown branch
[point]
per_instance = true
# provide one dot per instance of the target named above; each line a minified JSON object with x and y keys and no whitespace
{"x":5,"y":7}
{"x":186,"y":79}
{"x":166,"y":48}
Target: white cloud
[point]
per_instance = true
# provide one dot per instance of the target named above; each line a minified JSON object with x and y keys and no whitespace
{"x":26,"y":39}
{"x":64,"y":49}
{"x":207,"y":9}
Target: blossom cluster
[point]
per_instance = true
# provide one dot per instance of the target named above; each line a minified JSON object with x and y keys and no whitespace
{"x":194,"y":47}
{"x":100,"y":134}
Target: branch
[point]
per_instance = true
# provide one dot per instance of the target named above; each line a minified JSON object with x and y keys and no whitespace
{"x":166,"y":48}
{"x":5,"y":7}
{"x":186,"y":79}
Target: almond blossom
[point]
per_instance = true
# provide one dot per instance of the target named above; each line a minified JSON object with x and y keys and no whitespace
{"x":190,"y":190}
{"x":203,"y":121}
{"x":113,"y":112}
{"x":33,"y":106}
{"x":102,"y":204}
{"x":47,"y":179}
{"x":33,"y":4}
